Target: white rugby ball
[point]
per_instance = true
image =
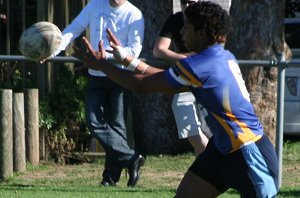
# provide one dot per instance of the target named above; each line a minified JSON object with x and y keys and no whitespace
{"x":40,"y":41}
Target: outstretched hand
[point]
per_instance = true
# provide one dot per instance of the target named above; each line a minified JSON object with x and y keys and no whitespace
{"x":90,"y":57}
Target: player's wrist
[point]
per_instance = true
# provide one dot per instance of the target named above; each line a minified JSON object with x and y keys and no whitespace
{"x":122,"y":55}
{"x":133,"y":64}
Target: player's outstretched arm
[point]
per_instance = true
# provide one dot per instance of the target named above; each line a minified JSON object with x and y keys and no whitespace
{"x":153,"y":79}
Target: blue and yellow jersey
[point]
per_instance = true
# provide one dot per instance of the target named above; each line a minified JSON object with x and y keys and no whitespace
{"x":215,"y":79}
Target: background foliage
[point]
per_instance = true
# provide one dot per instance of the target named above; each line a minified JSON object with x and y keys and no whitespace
{"x":63,"y":116}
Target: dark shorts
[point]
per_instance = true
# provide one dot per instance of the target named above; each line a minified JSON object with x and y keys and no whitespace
{"x":251,"y":170}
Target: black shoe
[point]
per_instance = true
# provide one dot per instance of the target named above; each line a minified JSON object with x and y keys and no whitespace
{"x":108,"y":182}
{"x":134,"y":170}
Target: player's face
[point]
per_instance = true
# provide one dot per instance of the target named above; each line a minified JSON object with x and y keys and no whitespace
{"x":116,"y":3}
{"x":188,"y":35}
{"x":193,"y":40}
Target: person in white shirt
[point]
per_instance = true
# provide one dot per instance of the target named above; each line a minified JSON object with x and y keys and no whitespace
{"x":106,"y":102}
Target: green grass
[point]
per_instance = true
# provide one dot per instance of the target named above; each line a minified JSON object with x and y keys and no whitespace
{"x":160,"y":178}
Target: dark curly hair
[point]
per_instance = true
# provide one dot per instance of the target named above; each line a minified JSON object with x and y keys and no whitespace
{"x":211,"y":17}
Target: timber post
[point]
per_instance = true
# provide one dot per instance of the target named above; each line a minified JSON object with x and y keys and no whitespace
{"x":19,"y":154}
{"x":32,"y":125}
{"x":6,"y":133}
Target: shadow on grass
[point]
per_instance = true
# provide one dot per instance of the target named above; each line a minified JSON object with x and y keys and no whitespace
{"x":99,"y":189}
{"x":289,"y":193}
{"x":24,"y":187}
{"x":282,"y":193}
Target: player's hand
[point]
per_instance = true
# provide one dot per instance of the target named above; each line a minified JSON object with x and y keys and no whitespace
{"x":91,"y":57}
{"x":118,"y":51}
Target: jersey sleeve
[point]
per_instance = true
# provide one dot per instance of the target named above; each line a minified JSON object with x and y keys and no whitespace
{"x":176,"y":77}
{"x":181,"y":74}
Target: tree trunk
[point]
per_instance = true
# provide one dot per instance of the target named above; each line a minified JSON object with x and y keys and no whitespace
{"x":258,"y":33}
{"x":154,"y":126}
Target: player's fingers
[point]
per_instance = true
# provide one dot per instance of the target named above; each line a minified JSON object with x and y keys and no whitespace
{"x":101,"y":48}
{"x":113,"y":45}
{"x":88,"y":45}
{"x":112,"y":37}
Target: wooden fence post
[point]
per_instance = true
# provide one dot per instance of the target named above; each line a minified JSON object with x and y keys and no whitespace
{"x":6,"y":132}
{"x":31,"y":99}
{"x":19,"y":133}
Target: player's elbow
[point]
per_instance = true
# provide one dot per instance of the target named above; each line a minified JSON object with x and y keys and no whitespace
{"x":155,"y":52}
{"x":159,"y":51}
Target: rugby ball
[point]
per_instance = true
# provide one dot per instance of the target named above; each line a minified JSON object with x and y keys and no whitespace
{"x":40,"y":41}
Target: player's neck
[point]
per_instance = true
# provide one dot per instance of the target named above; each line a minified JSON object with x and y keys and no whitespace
{"x":116,"y":3}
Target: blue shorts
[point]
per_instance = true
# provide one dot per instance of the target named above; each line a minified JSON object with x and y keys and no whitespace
{"x":251,"y":170}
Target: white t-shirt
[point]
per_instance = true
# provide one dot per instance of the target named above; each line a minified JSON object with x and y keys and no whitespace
{"x":126,"y":22}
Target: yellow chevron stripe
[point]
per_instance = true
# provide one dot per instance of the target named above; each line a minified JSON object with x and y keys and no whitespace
{"x":245,"y":135}
{"x":188,"y":76}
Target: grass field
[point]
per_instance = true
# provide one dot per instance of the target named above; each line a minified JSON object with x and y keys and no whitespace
{"x":160,"y":177}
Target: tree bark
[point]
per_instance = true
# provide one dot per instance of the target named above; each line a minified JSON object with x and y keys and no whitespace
{"x":154,"y":126}
{"x":258,"y":34}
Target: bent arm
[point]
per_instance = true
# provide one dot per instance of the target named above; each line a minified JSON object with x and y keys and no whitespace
{"x":162,"y":50}
{"x":73,"y":30}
